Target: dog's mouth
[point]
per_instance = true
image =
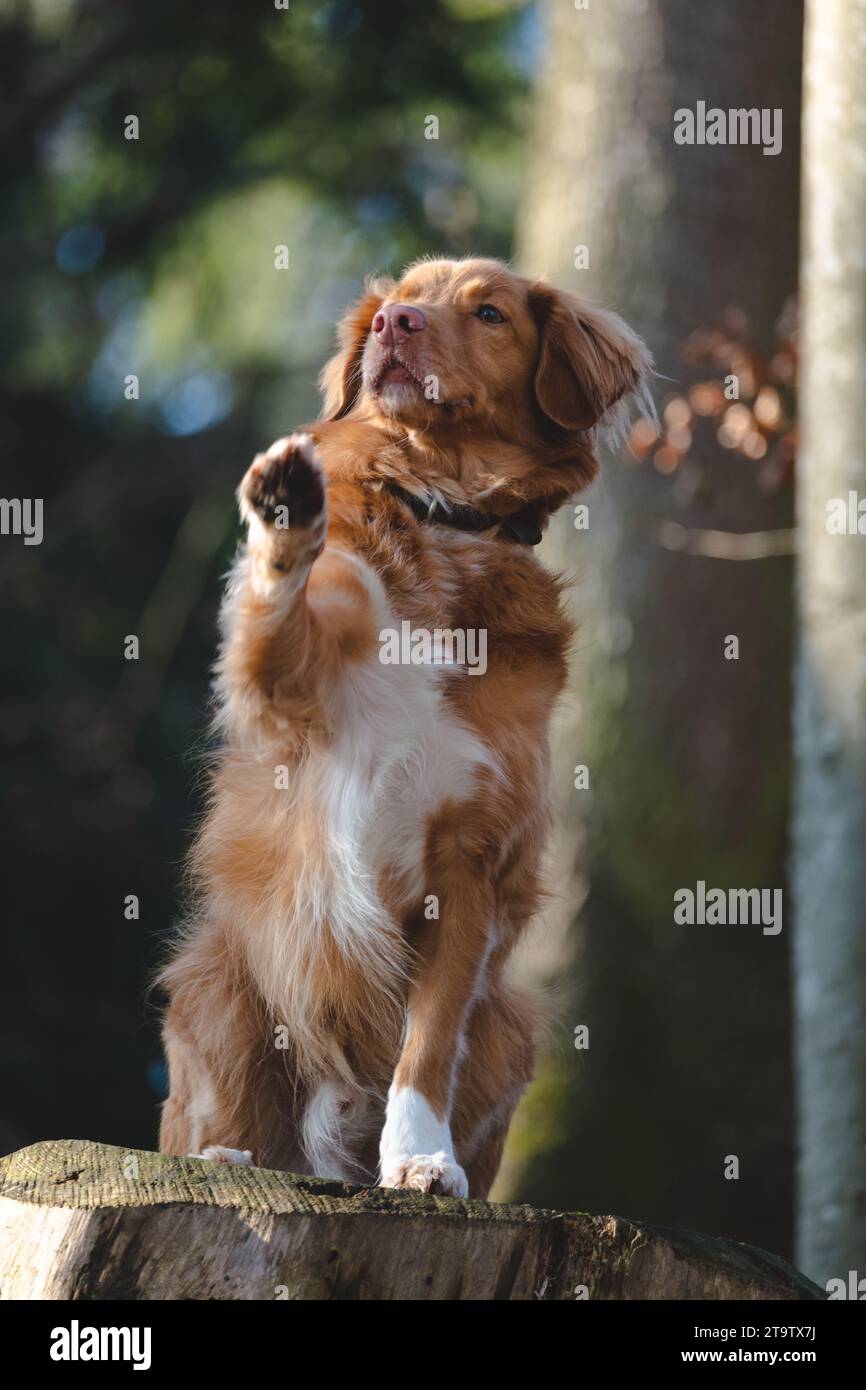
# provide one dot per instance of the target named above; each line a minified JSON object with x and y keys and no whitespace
{"x":393,"y":371}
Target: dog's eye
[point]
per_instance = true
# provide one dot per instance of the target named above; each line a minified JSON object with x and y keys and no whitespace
{"x":488,"y":313}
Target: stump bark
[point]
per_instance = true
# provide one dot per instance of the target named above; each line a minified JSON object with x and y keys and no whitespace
{"x":80,"y":1220}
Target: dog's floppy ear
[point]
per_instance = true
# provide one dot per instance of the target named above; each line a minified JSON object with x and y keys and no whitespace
{"x":340,"y":379}
{"x":588,"y":360}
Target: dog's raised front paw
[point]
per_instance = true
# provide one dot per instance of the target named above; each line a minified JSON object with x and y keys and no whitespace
{"x":434,"y":1173}
{"x":285,"y":486}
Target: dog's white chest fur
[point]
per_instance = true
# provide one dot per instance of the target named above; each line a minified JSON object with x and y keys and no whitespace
{"x":398,"y":753}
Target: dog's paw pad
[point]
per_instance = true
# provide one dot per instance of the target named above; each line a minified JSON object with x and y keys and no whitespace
{"x":434,"y":1173}
{"x":217,"y":1153}
{"x":285,"y":486}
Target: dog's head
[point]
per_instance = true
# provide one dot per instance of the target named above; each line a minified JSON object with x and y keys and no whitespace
{"x":470,"y":341}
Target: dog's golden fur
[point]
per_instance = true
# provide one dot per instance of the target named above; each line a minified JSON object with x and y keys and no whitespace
{"x":372,"y":846}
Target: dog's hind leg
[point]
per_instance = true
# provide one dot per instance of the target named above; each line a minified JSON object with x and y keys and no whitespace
{"x":243,"y":1116}
{"x":230,"y":1089}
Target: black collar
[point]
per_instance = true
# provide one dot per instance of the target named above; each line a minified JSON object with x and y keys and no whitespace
{"x":521,"y":526}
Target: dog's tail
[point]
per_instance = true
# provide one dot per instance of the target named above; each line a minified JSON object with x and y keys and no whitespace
{"x":336,"y":1125}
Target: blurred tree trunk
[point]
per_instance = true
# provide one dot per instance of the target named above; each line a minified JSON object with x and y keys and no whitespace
{"x":688,"y":752}
{"x":830,"y":822}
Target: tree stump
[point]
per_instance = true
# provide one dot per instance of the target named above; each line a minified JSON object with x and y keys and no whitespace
{"x":90,"y":1221}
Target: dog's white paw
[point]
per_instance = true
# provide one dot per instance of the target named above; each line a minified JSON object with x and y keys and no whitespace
{"x":217,"y":1153}
{"x":435,"y":1173}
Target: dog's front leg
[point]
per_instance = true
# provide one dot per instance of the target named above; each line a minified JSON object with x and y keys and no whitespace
{"x":416,"y":1149}
{"x":270,"y":651}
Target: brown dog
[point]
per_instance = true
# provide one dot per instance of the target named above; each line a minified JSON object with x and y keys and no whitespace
{"x":391,"y":654}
